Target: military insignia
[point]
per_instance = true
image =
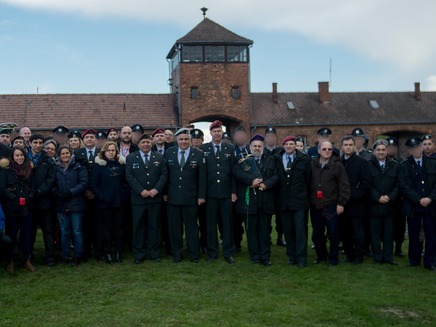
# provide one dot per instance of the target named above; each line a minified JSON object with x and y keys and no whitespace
{"x":246,"y":167}
{"x":156,"y":163}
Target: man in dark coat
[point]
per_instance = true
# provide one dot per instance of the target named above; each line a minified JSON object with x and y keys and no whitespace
{"x":384,"y":192}
{"x":44,"y":179}
{"x":352,"y":222}
{"x":292,"y":199}
{"x":186,"y":191}
{"x":256,"y":178}
{"x":91,"y":231}
{"x":418,"y":185}
{"x":147,"y":174}
{"x":220,"y":194}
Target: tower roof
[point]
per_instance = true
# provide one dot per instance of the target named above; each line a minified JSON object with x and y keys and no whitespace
{"x":209,"y":32}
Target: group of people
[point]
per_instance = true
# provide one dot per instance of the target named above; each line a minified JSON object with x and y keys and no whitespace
{"x":94,"y":192}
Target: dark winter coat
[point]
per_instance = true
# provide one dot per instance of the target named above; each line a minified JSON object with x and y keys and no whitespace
{"x":44,"y":176}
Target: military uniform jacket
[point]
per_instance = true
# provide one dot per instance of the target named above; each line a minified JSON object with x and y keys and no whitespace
{"x":220,"y":183}
{"x":408,"y":181}
{"x":257,"y":198}
{"x":146,"y":177}
{"x":82,"y":157}
{"x":188,"y":183}
{"x":384,"y":183}
{"x":292,"y":192}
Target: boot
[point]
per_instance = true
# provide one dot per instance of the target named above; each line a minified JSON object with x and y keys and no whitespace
{"x":108,"y":258}
{"x":10,"y":267}
{"x":118,"y":257}
{"x":28,"y":265}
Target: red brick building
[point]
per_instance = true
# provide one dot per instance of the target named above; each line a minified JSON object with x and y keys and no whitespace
{"x":210,"y":79}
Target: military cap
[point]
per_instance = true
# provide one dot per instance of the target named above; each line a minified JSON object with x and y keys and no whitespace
{"x":216,"y":124}
{"x":137,"y":128}
{"x":145,"y":136}
{"x":299,"y":139}
{"x":60,"y":130}
{"x":427,"y":137}
{"x":392,"y":140}
{"x":183,"y":130}
{"x":324,"y":131}
{"x":10,"y":126}
{"x":257,"y":137}
{"x":5,"y":131}
{"x":226,"y":136}
{"x":412,"y":142}
{"x":101,"y":135}
{"x":75,"y":133}
{"x":197,"y":133}
{"x":159,"y":130}
{"x":270,"y":130}
{"x":358,"y":132}
{"x":289,"y":138}
{"x":380,"y":142}
{"x":240,"y":128}
{"x":112,"y":129}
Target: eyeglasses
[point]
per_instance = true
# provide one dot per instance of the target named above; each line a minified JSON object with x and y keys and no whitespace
{"x":326,"y":149}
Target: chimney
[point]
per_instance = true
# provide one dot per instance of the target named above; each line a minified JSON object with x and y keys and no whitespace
{"x":275,"y":96}
{"x":324,"y":94}
{"x":418,"y":91}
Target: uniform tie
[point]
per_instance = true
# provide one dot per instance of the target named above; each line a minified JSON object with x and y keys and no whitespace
{"x":288,"y":166}
{"x":146,"y":159}
{"x":90,"y":156}
{"x":218,"y":151}
{"x":182,"y":159}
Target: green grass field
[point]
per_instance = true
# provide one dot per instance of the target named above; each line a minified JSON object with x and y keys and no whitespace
{"x":209,"y":294}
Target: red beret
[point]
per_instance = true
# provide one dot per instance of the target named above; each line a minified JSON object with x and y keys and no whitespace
{"x":112,"y":129}
{"x":158,"y":131}
{"x":288,"y":138}
{"x":89,"y":131}
{"x":216,"y":124}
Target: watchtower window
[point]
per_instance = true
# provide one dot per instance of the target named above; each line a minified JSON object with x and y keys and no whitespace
{"x":237,"y":54}
{"x":192,"y":53}
{"x":236,"y":94}
{"x":194,"y":92}
{"x":214,"y":53}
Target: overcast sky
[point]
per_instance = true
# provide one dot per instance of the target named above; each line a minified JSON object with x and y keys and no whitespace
{"x":112,"y":46}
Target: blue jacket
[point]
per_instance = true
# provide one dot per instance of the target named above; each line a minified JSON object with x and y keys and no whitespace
{"x":73,"y":181}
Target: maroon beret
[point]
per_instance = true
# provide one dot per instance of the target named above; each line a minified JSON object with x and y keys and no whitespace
{"x":89,"y":131}
{"x":158,"y":131}
{"x":216,"y":124}
{"x":112,"y":129}
{"x":288,"y":138}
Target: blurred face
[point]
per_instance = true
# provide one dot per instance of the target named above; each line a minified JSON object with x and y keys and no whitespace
{"x":256,"y":148}
{"x":74,"y":143}
{"x":299,"y":146}
{"x":217,"y":134}
{"x":240,"y":138}
{"x":26,"y":133}
{"x":197,"y":142}
{"x":60,"y":138}
{"x":100,"y":142}
{"x":381,"y":152}
{"x":359,"y":142}
{"x":270,"y":139}
{"x":416,"y":151}
{"x":145,"y":145}
{"x":18,"y":143}
{"x":89,"y":140}
{"x":50,"y":149}
{"x":290,"y":147}
{"x":36,"y":145}
{"x":169,"y":136}
{"x":183,"y":141}
{"x":5,"y":139}
{"x":135,"y":137}
{"x":159,"y":139}
{"x":113,"y":136}
{"x":18,"y":157}
{"x":348,"y":147}
{"x":325,"y":150}
{"x":392,"y":150}
{"x":65,"y":155}
{"x":427,"y":146}
{"x":111,"y":152}
{"x":322,"y":138}
{"x":125,"y":135}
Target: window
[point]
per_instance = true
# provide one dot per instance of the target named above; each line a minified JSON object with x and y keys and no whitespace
{"x":236,"y":94}
{"x":290,"y":105}
{"x":214,"y":53}
{"x":374,"y":104}
{"x":237,"y":54}
{"x":192,"y":53}
{"x":194,"y":92}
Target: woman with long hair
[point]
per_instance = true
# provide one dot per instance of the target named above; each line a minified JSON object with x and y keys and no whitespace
{"x":16,"y":194}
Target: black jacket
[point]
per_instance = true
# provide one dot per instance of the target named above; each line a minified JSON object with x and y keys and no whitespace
{"x":108,"y":183}
{"x":187,"y":184}
{"x":82,"y":157}
{"x":146,"y":177}
{"x":384,"y":183}
{"x":408,"y":182}
{"x":292,"y":192}
{"x":220,"y":182}
{"x":44,"y":178}
{"x":12,"y":188}
{"x":360,"y":182}
{"x":72,"y":183}
{"x":245,"y":173}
